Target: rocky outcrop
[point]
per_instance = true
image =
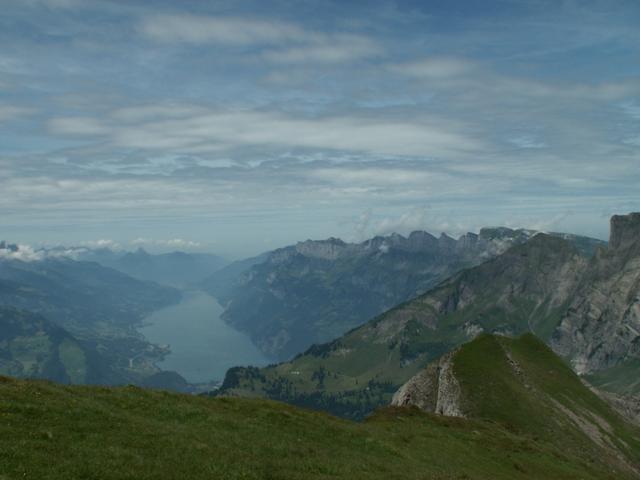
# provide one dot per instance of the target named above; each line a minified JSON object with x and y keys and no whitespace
{"x":625,"y":230}
{"x":435,"y":389}
{"x":329,"y":249}
{"x":626,"y":405}
{"x":601,"y":326}
{"x":421,"y":390}
{"x":449,"y":394}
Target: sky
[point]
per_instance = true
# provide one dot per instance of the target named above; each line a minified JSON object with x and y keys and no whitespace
{"x":241,"y":126}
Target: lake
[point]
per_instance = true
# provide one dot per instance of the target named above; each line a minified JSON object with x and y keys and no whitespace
{"x":203,"y":347}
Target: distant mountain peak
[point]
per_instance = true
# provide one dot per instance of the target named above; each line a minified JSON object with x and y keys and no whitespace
{"x":328,"y":249}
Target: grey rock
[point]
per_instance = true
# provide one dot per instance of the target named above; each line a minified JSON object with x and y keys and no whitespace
{"x":435,"y":389}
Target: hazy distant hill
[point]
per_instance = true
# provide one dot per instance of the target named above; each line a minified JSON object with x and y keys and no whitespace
{"x":588,"y":310}
{"x":315,"y":291}
{"x":177,"y":269}
{"x":526,"y":416}
{"x":223,"y":283}
{"x":81,"y":296}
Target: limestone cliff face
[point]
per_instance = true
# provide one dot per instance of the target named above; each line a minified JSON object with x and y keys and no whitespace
{"x":601,"y":326}
{"x":625,"y":230}
{"x":329,"y":249}
{"x":435,"y":389}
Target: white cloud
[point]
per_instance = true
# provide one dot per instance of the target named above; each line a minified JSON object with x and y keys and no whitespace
{"x":633,"y":141}
{"x":24,"y":253}
{"x":55,"y":4}
{"x":219,"y":130}
{"x":527,"y":141}
{"x":434,"y":68}
{"x":221,"y":30}
{"x":80,"y":126}
{"x":330,"y":49}
{"x":150,"y":112}
{"x":374,"y":176}
{"x":102,"y":243}
{"x":282,"y":42}
{"x":632,"y":109}
{"x":417,"y":218}
{"x":11,"y":112}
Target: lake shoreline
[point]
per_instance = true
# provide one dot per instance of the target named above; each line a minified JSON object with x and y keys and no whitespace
{"x":202,"y":347}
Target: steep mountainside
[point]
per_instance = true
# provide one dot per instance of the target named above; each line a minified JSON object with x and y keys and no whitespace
{"x":33,"y":347}
{"x":81,"y":296}
{"x":528,"y":417}
{"x":222,"y":283}
{"x":533,"y":287}
{"x":99,"y":306}
{"x":317,"y":290}
{"x":601,"y":327}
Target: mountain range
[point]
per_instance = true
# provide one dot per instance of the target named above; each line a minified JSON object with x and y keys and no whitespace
{"x":176,"y":269}
{"x":585,"y":308}
{"x":314,"y":291}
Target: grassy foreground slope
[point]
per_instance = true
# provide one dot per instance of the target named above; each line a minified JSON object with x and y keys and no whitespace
{"x":523,"y":384}
{"x":52,"y":431}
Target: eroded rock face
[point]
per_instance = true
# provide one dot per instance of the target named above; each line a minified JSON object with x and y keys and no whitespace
{"x":421,"y":390}
{"x":601,"y":326}
{"x":625,"y":229}
{"x":435,"y":389}
{"x":329,"y":249}
{"x":449,"y":393}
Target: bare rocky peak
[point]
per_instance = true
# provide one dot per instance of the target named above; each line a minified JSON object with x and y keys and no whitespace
{"x":329,"y":249}
{"x":419,"y":240}
{"x":490,"y":241}
{"x":625,"y":230}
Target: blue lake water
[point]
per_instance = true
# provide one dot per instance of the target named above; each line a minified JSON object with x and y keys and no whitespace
{"x":203,"y":347}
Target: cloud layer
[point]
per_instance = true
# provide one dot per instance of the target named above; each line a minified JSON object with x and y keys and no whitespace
{"x":250,"y":125}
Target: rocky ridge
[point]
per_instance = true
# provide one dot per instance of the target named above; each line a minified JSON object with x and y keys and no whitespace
{"x":518,"y":371}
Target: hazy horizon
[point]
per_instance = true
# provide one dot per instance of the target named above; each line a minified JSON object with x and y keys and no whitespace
{"x":236,"y":128}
